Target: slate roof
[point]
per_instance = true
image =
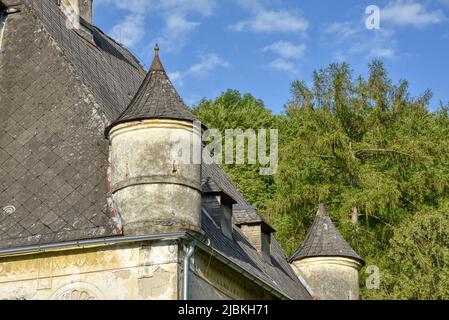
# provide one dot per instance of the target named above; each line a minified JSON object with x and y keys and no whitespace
{"x":57,"y":171}
{"x":246,"y":214}
{"x":53,"y":153}
{"x":210,"y":169}
{"x":324,"y":240}
{"x":209,"y":186}
{"x":155,"y":99}
{"x":107,"y":63}
{"x":274,"y":270}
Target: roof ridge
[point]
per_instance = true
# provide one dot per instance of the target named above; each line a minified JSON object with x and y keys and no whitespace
{"x":132,"y":55}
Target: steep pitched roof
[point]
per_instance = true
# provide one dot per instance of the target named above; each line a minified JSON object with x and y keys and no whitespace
{"x":155,"y":99}
{"x":324,"y":240}
{"x":209,"y":186}
{"x":274,"y":270}
{"x":209,"y":169}
{"x":52,"y":149}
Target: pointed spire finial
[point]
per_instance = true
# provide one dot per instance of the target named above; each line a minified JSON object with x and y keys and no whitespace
{"x":156,"y":65}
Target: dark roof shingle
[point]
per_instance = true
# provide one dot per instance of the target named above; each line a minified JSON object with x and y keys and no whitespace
{"x":246,"y":214}
{"x":324,"y":240}
{"x":274,"y":271}
{"x":155,"y":99}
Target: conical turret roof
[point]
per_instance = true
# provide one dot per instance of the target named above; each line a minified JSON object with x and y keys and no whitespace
{"x":155,"y":99}
{"x":324,"y":240}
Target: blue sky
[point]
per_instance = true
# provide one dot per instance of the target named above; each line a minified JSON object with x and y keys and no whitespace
{"x":261,"y":46}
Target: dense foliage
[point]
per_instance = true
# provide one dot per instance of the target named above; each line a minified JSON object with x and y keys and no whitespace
{"x":377,"y":156}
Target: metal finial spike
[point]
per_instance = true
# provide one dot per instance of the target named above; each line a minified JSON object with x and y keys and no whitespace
{"x":156,"y":65}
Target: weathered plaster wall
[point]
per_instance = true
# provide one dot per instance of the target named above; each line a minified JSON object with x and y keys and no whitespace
{"x":145,"y":271}
{"x":215,"y":280}
{"x":150,"y":270}
{"x":330,"y":278}
{"x":86,"y":9}
{"x":83,"y":7}
{"x":200,"y":289}
{"x":154,"y":187}
{"x":254,"y":235}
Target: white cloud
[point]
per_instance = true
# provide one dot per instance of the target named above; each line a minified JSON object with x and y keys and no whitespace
{"x":193,"y":99}
{"x":207,"y":64}
{"x":287,"y":49}
{"x":130,"y":30}
{"x":351,"y":37}
{"x":264,"y":20}
{"x":382,"y":53}
{"x":176,"y":76}
{"x":374,"y":44}
{"x":269,"y":21}
{"x":341,"y":31}
{"x":251,"y":5}
{"x":407,"y":13}
{"x":177,"y":23}
{"x":136,"y":6}
{"x":175,"y":31}
{"x":203,"y":7}
{"x":283,"y":65}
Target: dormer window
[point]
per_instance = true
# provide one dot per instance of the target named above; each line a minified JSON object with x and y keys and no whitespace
{"x":254,"y":227}
{"x":219,"y":206}
{"x":79,"y":16}
{"x":266,"y":242}
{"x":226,"y":217}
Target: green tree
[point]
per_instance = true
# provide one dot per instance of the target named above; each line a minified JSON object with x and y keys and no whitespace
{"x":416,"y":264}
{"x":232,"y":110}
{"x":376,"y":155}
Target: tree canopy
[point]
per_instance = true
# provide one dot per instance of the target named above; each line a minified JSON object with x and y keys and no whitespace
{"x":375,"y":154}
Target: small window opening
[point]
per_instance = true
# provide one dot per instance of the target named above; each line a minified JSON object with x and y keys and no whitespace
{"x":226,"y":221}
{"x":266,"y":243}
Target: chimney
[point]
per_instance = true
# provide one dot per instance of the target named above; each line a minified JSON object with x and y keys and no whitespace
{"x":79,"y":15}
{"x":86,"y":10}
{"x":254,"y":227}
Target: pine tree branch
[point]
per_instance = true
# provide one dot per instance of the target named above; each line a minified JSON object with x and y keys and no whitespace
{"x":366,"y":152}
{"x":379,"y":219}
{"x":323,"y":156}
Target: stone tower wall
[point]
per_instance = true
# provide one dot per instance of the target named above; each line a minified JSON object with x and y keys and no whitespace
{"x":153,"y":189}
{"x":330,"y":278}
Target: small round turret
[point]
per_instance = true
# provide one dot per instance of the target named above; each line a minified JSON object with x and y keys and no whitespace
{"x":326,"y":263}
{"x":155,"y":182}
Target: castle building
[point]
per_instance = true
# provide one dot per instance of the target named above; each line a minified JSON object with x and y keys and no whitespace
{"x":94,"y":203}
